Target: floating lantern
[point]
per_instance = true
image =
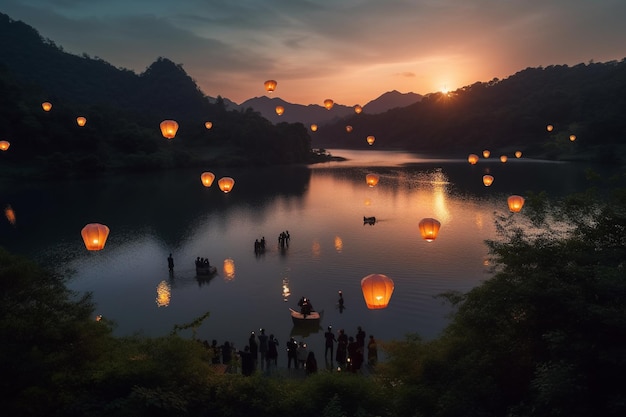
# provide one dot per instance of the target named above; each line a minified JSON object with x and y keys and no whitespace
{"x":226,"y":184}
{"x":164,"y":294}
{"x":549,"y":128}
{"x":518,"y":154}
{"x":486,"y":153}
{"x":81,"y":121}
{"x":208,"y":125}
{"x":371,"y":179}
{"x":46,"y":106}
{"x":207,"y":178}
{"x":95,"y":236}
{"x":348,"y":128}
{"x":10,"y":214}
{"x":472,"y":158}
{"x":572,"y":137}
{"x":169,"y":128}
{"x":4,"y":145}
{"x":358,"y":109}
{"x":280,"y":110}
{"x":270,"y":85}
{"x":313,"y":127}
{"x":377,"y":290}
{"x":370,"y":140}
{"x":487,"y":180}
{"x":515,"y":203}
{"x":429,"y":228}
{"x":229,"y":269}
{"x":504,"y":158}
{"x":328,"y":103}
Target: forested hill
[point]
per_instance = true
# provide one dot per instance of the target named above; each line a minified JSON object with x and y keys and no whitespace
{"x":586,"y":100}
{"x":123,"y":111}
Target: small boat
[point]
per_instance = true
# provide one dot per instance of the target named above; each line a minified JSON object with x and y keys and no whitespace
{"x":369,"y":220}
{"x":299,"y":318}
{"x":205,"y":270}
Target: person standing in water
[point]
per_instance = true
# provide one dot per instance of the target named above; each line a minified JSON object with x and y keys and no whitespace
{"x":170,"y":263}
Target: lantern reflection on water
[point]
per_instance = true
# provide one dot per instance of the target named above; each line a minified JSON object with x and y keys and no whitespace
{"x":10,"y":214}
{"x":515,"y":203}
{"x":207,"y":178}
{"x":226,"y":184}
{"x":169,"y":128}
{"x":371,"y":179}
{"x":377,"y":290}
{"x":286,"y":290}
{"x":487,"y":180}
{"x":164,"y":294}
{"x":429,"y":228}
{"x":229,"y":269}
{"x":95,"y":236}
{"x":338,"y":244}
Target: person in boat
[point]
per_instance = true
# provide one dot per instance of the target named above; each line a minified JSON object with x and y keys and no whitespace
{"x":305,"y":306}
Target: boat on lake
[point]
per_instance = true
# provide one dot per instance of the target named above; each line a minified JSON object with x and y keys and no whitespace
{"x":206,"y":270}
{"x":309,"y":319}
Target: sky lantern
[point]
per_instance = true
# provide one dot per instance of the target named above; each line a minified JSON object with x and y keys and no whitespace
{"x":429,"y":228}
{"x":486,"y":153}
{"x":169,"y":128}
{"x":208,"y":125}
{"x":371,"y":179}
{"x":46,"y":106}
{"x":487,"y":180}
{"x":328,"y":103}
{"x":358,"y":109}
{"x":504,"y":158}
{"x":572,"y":137}
{"x":472,"y":158}
{"x":95,"y":236}
{"x":270,"y":85}
{"x":81,"y":121}
{"x":313,"y":127}
{"x":518,"y":154}
{"x":280,"y":110}
{"x":370,"y":140}
{"x":207,"y":178}
{"x":10,"y":214}
{"x":515,"y":203}
{"x":348,"y":128}
{"x":377,"y":290}
{"x":4,"y":145}
{"x":549,"y":128}
{"x":226,"y":184}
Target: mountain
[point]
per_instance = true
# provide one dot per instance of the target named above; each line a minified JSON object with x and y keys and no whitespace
{"x":391,"y":100}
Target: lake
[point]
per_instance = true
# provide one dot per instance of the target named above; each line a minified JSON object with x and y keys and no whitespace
{"x":330,"y":250}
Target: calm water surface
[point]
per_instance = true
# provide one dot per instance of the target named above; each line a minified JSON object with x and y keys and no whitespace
{"x":321,"y":206}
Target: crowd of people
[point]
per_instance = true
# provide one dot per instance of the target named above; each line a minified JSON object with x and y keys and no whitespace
{"x":261,"y":352}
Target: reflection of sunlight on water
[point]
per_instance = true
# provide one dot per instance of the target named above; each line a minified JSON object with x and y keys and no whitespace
{"x":316,"y":249}
{"x":338,"y":244}
{"x":479,"y":220}
{"x":164,"y":294}
{"x":229,"y":269}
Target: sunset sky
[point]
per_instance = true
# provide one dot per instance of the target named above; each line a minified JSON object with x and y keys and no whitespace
{"x":351,"y":51}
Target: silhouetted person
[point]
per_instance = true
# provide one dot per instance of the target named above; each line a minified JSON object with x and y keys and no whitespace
{"x":272,"y":351}
{"x":342,"y":348}
{"x":215,"y":359}
{"x":330,"y":343}
{"x":311,"y":364}
{"x":263,"y":347}
{"x":372,"y":352}
{"x":170,"y":263}
{"x":247,"y":361}
{"x":292,"y":353}
{"x":254,"y":347}
{"x":360,"y":338}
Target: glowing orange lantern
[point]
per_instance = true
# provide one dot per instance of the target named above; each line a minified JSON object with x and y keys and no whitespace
{"x":280,"y":110}
{"x":486,"y":153}
{"x":358,"y":109}
{"x":504,"y":158}
{"x":10,"y":214}
{"x":371,"y":179}
{"x":4,"y":145}
{"x":81,"y":121}
{"x":226,"y":184}
{"x":229,"y":269}
{"x":313,"y":127}
{"x":429,"y":228}
{"x":169,"y":128}
{"x":270,"y":85}
{"x":515,"y":203}
{"x":472,"y":158}
{"x":549,"y":128}
{"x":487,"y":180}
{"x":328,"y":103}
{"x":518,"y":154}
{"x":207,"y":178}
{"x":370,"y":140}
{"x":377,"y":290}
{"x":348,"y":128}
{"x":208,"y":125}
{"x":95,"y":236}
{"x":572,"y":137}
{"x":46,"y":106}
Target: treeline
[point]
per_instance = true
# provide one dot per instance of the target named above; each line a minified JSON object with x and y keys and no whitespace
{"x":123,"y":112}
{"x":543,"y":336}
{"x":586,"y":100}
